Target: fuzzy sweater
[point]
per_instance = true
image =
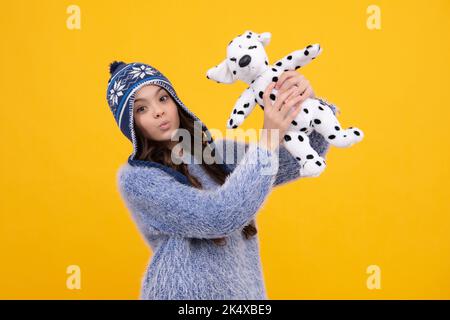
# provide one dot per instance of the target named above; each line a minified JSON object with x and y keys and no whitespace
{"x":178,"y":222}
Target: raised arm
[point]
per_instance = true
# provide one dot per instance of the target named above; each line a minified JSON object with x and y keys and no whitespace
{"x":289,"y":169}
{"x":163,"y":204}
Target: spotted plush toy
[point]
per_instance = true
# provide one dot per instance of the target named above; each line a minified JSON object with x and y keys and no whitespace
{"x":247,"y":61}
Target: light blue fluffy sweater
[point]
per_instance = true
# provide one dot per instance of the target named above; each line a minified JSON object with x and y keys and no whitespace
{"x":178,"y":221}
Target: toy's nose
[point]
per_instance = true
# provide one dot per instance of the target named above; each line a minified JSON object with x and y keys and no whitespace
{"x":244,"y":61}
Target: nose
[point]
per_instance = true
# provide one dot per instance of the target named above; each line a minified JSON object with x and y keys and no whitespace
{"x":158,"y":113}
{"x":245,"y":61}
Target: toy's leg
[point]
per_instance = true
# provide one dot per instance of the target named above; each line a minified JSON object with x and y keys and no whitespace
{"x":302,"y":121}
{"x":297,"y":143}
{"x":323,"y":120}
{"x":299,"y":58}
{"x":243,"y":107}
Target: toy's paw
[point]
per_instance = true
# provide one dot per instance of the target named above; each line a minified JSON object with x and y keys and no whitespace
{"x":313,"y":167}
{"x":346,"y":138}
{"x":313,"y":49}
{"x":235,"y":121}
{"x":357,"y":133}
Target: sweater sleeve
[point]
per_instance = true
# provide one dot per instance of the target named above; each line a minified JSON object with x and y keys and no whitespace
{"x":232,"y":152}
{"x":163,"y":204}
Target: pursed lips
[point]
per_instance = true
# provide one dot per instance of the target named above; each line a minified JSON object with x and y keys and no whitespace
{"x":164,"y":123}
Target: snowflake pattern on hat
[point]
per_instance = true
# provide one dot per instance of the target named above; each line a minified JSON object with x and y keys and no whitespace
{"x":116,"y":92}
{"x":141,"y":71}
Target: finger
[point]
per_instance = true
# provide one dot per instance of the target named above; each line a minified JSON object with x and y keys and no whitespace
{"x":281,"y":97}
{"x":286,"y":108}
{"x":302,"y":97}
{"x":285,"y":75}
{"x":266,"y":96}
{"x":288,"y":103}
{"x":287,"y":83}
{"x":294,"y":111}
{"x":308,"y":93}
{"x":294,"y":93}
{"x":301,"y":88}
{"x":293,"y":79}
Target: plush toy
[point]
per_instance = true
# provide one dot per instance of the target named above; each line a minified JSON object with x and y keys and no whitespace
{"x":247,"y":60}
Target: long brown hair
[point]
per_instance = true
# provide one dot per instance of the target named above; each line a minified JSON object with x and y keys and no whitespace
{"x":158,"y":151}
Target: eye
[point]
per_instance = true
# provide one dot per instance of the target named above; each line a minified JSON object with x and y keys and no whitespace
{"x":138,"y":109}
{"x":164,"y":96}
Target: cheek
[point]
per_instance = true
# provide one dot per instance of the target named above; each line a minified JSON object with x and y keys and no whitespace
{"x":147,"y":125}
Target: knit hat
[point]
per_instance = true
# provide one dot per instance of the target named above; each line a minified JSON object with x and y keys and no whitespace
{"x":126,"y":79}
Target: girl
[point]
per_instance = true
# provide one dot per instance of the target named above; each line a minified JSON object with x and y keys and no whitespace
{"x":198,"y":218}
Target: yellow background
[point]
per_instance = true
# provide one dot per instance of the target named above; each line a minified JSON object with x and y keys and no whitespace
{"x":382,"y":202}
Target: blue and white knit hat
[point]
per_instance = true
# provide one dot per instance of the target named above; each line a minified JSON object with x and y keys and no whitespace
{"x":125,"y":80}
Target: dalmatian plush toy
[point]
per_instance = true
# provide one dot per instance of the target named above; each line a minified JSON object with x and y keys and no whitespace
{"x":247,"y":61}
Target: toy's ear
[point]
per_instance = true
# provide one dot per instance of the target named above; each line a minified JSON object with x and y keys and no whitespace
{"x":221,"y":73}
{"x":264,"y":38}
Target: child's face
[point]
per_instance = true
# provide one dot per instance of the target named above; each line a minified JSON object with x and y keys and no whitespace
{"x":153,"y":106}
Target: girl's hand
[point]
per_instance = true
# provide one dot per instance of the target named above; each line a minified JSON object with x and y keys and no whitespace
{"x":278,"y":117}
{"x":289,"y":79}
